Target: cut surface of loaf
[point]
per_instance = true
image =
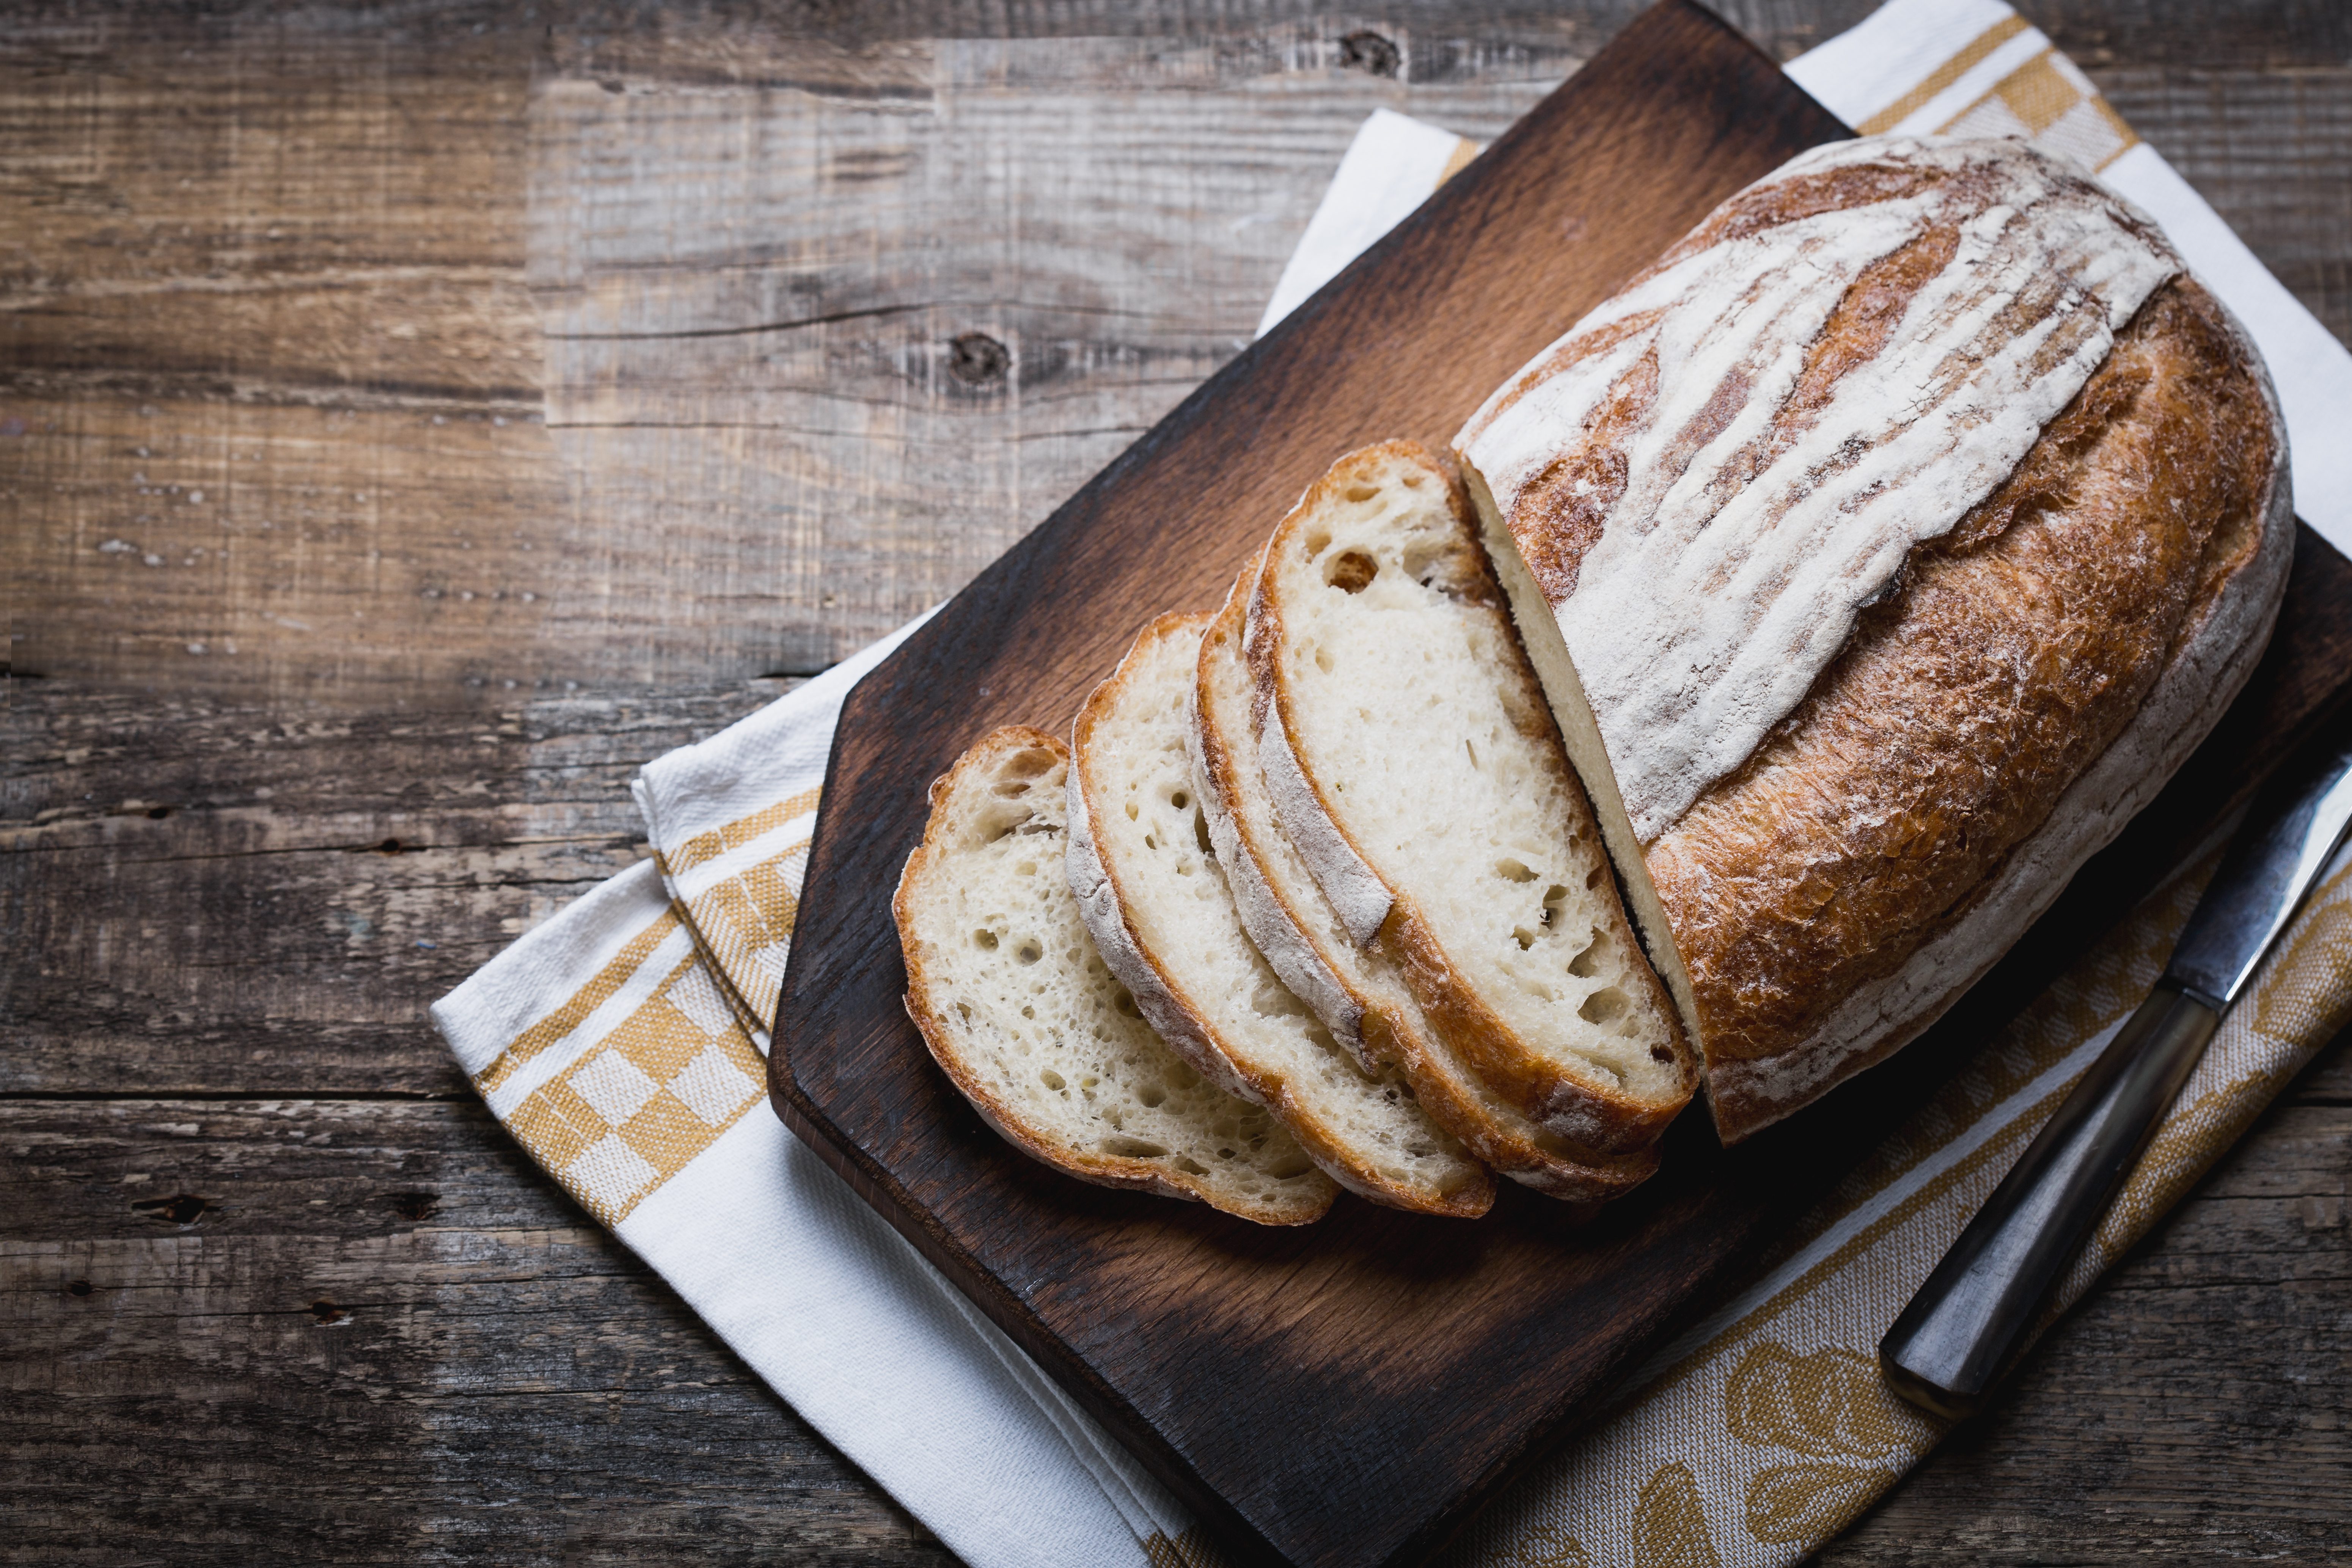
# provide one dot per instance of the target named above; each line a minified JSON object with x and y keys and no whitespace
{"x":1355,"y":991}
{"x":1021,"y":1013}
{"x":1154,"y":894}
{"x":1413,"y":763}
{"x":1882,"y":549}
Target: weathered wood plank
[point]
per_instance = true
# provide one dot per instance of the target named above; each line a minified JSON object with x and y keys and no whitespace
{"x":257,"y":251}
{"x":2197,"y":35}
{"x":380,"y":1337}
{"x":777,"y":392}
{"x":253,"y":258}
{"x":210,"y":897}
{"x":492,"y":1378}
{"x":269,"y":375}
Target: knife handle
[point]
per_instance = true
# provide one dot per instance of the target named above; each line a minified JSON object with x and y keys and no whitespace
{"x":1969,"y":1322}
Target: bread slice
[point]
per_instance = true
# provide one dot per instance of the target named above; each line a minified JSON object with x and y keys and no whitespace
{"x":1020,"y":1012}
{"x":1155,"y":898}
{"x":1413,"y":762}
{"x":1355,"y":991}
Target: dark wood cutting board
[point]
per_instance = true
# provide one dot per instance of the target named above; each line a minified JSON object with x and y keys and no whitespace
{"x":1345,"y":1393}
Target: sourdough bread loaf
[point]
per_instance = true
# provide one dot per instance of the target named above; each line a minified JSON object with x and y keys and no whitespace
{"x":1021,"y":1013}
{"x":1414,"y":764}
{"x":1355,"y":991}
{"x":1881,"y":548}
{"x":1155,"y":895}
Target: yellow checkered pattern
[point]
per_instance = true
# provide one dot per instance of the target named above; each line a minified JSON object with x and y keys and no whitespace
{"x":744,"y":924}
{"x":643,"y":1098}
{"x":2047,"y":100}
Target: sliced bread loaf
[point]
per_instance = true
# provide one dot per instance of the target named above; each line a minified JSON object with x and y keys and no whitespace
{"x":1154,"y":896}
{"x":1355,"y":991}
{"x":1414,"y":761}
{"x":1019,"y":1010}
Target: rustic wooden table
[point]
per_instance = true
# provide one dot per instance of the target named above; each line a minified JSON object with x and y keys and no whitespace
{"x":413,"y":417}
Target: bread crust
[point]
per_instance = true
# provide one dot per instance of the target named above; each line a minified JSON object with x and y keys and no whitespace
{"x":1266,"y":914}
{"x":1159,"y":994}
{"x":1597,"y":1124}
{"x":2024,"y":682}
{"x":1377,"y":1029}
{"x":1719,"y":469}
{"x":1087,"y":1166}
{"x":2213,"y":657}
{"x":1097,"y":889}
{"x":1363,"y":901}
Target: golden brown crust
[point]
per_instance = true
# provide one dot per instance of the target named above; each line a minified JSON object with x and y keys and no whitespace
{"x":1624,"y":1128}
{"x":1963,"y":709}
{"x":1518,"y":1148}
{"x":1190,"y":1033}
{"x":1087,"y":1166}
{"x":1943,"y":760}
{"x":1388,"y":1037}
{"x":1617,"y":1127}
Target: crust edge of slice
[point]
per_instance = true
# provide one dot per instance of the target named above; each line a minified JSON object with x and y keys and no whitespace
{"x":1496,"y":1134}
{"x":1099,"y":1169}
{"x":1159,"y":994}
{"x":1601,"y":1124}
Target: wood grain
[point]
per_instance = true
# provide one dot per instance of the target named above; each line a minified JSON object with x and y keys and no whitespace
{"x":191,"y":1408}
{"x":819,"y":383}
{"x":207,"y":898}
{"x":147,"y":152}
{"x":256,"y":256}
{"x":380,"y":1334}
{"x":271,"y":372}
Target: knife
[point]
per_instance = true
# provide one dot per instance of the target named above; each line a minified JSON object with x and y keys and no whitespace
{"x":1969,"y":1320}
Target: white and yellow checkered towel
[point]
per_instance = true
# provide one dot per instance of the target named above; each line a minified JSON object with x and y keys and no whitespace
{"x":622,"y":1042}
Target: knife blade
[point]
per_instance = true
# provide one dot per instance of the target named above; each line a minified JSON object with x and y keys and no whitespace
{"x":1969,"y":1320}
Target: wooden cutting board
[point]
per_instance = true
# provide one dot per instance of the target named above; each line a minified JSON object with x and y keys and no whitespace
{"x":1346,"y":1393}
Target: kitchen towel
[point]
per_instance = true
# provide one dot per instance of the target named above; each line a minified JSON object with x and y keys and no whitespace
{"x":622,"y":1043}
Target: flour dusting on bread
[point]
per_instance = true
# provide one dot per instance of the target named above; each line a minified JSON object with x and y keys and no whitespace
{"x":1711,"y":484}
{"x":1882,"y":549}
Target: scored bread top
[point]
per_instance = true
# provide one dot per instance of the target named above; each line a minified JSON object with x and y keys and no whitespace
{"x":2022,"y":645}
{"x":1021,"y":1013}
{"x":1355,"y":991}
{"x":2033,"y":688}
{"x":2027,"y":655}
{"x":1406,"y":725}
{"x":1716,"y":471}
{"x":1156,"y":896}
